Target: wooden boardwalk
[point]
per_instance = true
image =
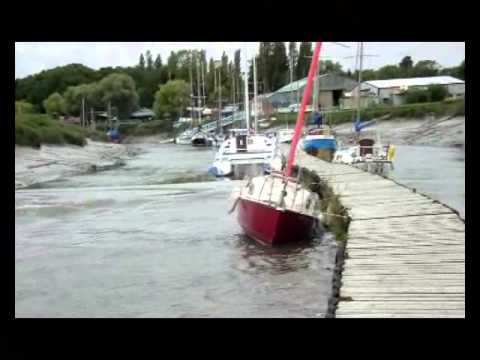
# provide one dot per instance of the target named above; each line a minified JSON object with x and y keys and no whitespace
{"x":405,"y":253}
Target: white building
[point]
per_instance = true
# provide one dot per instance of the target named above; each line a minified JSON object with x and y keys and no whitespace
{"x":391,"y":91}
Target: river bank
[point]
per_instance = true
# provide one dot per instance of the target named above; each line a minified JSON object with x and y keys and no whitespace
{"x":52,"y":162}
{"x":445,"y":131}
{"x":429,"y":131}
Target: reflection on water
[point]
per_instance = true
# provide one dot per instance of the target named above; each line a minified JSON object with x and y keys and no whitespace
{"x":276,"y":260}
{"x":130,"y":243}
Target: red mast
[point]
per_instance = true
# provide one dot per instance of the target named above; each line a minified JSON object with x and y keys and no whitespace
{"x":301,"y":115}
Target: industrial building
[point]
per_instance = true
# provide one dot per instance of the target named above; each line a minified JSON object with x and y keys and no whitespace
{"x":331,"y":89}
{"x":392,"y":91}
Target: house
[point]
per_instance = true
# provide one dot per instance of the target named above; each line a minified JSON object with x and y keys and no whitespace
{"x":331,"y":89}
{"x":392,"y":91}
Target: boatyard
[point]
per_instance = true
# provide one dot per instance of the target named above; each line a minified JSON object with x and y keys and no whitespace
{"x":329,"y":197}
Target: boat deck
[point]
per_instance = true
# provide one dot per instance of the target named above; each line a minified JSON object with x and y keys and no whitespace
{"x":405,"y":253}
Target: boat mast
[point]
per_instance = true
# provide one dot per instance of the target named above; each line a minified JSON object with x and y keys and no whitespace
{"x":291,"y":81}
{"x":247,"y":112}
{"x":359,"y":78}
{"x":191,"y":92}
{"x":219,"y":99}
{"x":315,"y":92}
{"x":255,"y":92}
{"x":301,"y":115}
{"x":199,"y":101}
{"x":203,"y":81}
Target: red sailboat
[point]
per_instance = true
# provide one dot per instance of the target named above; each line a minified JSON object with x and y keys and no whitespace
{"x":276,"y":208}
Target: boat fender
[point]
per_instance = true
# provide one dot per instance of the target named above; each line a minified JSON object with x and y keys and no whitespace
{"x":391,"y":153}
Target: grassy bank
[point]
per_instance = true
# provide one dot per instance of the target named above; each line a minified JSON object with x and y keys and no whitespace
{"x":148,"y":128}
{"x":37,"y":129}
{"x":411,"y":111}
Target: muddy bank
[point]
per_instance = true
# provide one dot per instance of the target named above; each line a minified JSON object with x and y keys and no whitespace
{"x":446,"y":131}
{"x":149,"y":139}
{"x":52,"y":162}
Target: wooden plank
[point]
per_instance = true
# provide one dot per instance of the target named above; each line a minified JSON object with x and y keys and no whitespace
{"x":405,"y":251}
{"x":398,"y":306}
{"x":401,"y":315}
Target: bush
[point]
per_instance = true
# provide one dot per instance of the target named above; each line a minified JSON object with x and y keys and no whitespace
{"x":36,"y":129}
{"x":73,"y":137}
{"x":26,"y":135}
{"x":23,"y":107}
{"x":51,"y":135}
{"x":414,"y":96}
{"x":437,"y":92}
{"x":151,"y":128}
{"x":433,"y":93}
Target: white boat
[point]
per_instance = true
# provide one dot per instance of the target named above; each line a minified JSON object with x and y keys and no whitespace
{"x":246,"y":154}
{"x":184,"y":139}
{"x":285,"y":135}
{"x":244,"y":151}
{"x":201,"y":138}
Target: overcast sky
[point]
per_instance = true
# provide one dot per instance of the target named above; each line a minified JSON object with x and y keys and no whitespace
{"x":31,"y":57}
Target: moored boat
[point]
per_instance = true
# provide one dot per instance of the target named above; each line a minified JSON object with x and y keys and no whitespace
{"x":201,"y":139}
{"x":320,"y":142}
{"x":277,"y":208}
{"x":274,"y":211}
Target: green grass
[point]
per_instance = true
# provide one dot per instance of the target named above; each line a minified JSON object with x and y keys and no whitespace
{"x":37,"y":129}
{"x":437,"y":109}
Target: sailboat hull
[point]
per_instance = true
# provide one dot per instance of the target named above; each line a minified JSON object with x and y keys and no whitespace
{"x":273,"y":226}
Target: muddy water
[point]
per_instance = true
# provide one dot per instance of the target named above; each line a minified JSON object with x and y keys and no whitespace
{"x":154,"y":239}
{"x":438,"y":172}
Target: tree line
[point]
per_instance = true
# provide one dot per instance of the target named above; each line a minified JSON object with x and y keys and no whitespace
{"x":61,"y":89}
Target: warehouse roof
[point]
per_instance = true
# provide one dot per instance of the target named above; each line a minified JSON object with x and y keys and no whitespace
{"x":421,"y":81}
{"x":326,"y":81}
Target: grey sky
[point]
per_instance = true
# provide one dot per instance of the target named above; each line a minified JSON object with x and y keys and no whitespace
{"x":33,"y":57}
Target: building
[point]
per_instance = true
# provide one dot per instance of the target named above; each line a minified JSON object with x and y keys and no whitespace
{"x":392,"y":91}
{"x":331,"y":89}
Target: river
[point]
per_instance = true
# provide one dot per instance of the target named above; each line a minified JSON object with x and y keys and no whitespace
{"x":438,"y":172}
{"x":154,"y":239}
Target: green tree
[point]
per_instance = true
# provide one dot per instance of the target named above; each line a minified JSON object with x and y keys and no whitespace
{"x":328,"y":66}
{"x":279,"y":66}
{"x":149,"y":61}
{"x":413,"y":96}
{"x":292,"y":58}
{"x":74,"y":94}
{"x":426,"y":68}
{"x":55,"y":104}
{"x":437,"y":92}
{"x":172,"y":63}
{"x":406,"y":65}
{"x":120,"y":91}
{"x":170,"y":100}
{"x":36,"y":88}
{"x":303,"y":63}
{"x":158,"y":62}
{"x":388,"y":72}
{"x":237,"y":72}
{"x":23,"y":107}
{"x":141,"y":62}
